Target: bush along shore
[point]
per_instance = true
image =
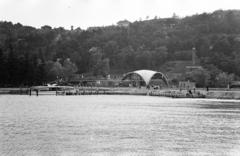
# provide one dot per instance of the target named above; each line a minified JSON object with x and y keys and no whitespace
{"x":173,"y":93}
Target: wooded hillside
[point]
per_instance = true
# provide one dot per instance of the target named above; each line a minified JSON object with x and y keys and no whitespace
{"x":30,"y":56}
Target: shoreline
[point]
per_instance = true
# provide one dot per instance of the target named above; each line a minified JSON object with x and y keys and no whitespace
{"x":173,"y":93}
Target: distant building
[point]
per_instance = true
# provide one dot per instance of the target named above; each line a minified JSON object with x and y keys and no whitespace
{"x":76,"y":30}
{"x":234,"y":84}
{"x":93,"y":29}
{"x":187,"y":85}
{"x":191,"y":68}
{"x":124,"y":23}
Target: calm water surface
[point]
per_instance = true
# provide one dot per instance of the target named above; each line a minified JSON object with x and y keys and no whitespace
{"x":118,"y":125}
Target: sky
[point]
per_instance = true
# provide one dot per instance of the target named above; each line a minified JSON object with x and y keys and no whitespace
{"x":89,"y":13}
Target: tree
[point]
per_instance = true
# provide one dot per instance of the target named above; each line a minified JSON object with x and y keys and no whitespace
{"x":69,"y":69}
{"x":158,"y":57}
{"x":213,"y":71}
{"x":12,"y":67}
{"x":111,"y":48}
{"x":200,"y":77}
{"x":57,"y":70}
{"x":50,"y":76}
{"x":223,"y":79}
{"x":126,"y":58}
{"x":143,"y":59}
{"x":4,"y":72}
{"x":104,"y":67}
{"x":99,"y":65}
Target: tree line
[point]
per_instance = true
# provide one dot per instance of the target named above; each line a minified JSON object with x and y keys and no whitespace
{"x":31,"y":56}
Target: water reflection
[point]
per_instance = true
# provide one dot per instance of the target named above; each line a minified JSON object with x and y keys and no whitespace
{"x":118,"y":125}
{"x":222,"y":105}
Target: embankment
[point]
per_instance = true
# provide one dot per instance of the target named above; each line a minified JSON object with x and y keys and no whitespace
{"x":174,"y":93}
{"x":223,"y":94}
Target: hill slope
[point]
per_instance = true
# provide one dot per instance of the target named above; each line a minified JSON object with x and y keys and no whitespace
{"x":33,"y":56}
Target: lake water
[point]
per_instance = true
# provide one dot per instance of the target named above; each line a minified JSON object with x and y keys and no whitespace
{"x":117,"y":125}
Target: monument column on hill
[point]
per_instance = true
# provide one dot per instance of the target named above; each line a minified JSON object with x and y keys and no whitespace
{"x":194,"y":65}
{"x":193,"y":56}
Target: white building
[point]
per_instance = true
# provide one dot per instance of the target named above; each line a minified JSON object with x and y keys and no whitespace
{"x":124,"y":23}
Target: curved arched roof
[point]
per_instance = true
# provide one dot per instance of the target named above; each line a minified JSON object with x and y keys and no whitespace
{"x":147,"y":75}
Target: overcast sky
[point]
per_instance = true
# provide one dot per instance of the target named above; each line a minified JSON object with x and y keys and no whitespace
{"x":86,"y":13}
